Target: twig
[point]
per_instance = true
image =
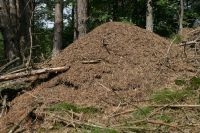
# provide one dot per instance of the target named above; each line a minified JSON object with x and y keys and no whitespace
{"x":168,"y":50}
{"x":91,"y":61}
{"x":177,"y":106}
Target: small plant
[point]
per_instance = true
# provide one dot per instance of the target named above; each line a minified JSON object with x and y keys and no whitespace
{"x":68,"y":107}
{"x":169,"y":96}
{"x":180,"y":82}
{"x":142,"y":113}
{"x":164,"y":118}
{"x":194,"y":83}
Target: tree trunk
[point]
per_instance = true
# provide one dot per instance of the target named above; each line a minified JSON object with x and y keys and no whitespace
{"x":82,"y":16}
{"x":181,"y":13}
{"x":14,"y":25}
{"x":9,"y":29}
{"x":74,"y":19}
{"x":149,"y":16}
{"x":58,"y":27}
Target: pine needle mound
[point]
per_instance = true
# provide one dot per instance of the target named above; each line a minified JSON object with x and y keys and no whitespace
{"x":114,"y":57}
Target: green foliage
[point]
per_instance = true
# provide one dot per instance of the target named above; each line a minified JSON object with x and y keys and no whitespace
{"x":167,"y":96}
{"x":180,"y":82}
{"x":142,"y":112}
{"x":194,"y":83}
{"x":68,"y":107}
{"x":164,"y":117}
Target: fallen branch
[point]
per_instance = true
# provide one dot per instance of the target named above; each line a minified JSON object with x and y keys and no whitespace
{"x":32,"y":73}
{"x":8,"y":64}
{"x":190,"y":42}
{"x":177,"y":106}
{"x":91,"y":61}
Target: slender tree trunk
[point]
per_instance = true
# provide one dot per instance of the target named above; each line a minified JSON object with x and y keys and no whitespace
{"x":58,"y":27}
{"x":82,"y":16}
{"x":74,"y":19}
{"x":181,"y":17}
{"x":149,"y":16}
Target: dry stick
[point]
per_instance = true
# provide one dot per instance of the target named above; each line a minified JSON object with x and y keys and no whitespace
{"x":91,"y":61}
{"x":9,"y":63}
{"x":177,"y":106}
{"x":33,"y":72}
{"x":168,"y":50}
{"x":3,"y":105}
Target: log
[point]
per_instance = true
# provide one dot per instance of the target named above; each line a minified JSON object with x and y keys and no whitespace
{"x":32,"y":73}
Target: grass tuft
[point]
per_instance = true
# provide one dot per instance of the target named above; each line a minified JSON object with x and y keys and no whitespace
{"x":68,"y":107}
{"x":142,"y":112}
{"x":167,"y":96}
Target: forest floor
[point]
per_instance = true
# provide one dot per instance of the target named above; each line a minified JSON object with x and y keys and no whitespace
{"x":121,"y":79}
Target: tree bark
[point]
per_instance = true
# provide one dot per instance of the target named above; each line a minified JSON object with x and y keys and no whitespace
{"x":58,"y":27}
{"x":74,"y":19}
{"x":149,"y":16}
{"x":181,"y":13}
{"x":82,"y":16}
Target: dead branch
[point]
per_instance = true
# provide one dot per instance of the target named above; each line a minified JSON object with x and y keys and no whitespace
{"x":190,"y":42}
{"x":91,"y":61}
{"x":8,"y":64}
{"x":33,"y":72}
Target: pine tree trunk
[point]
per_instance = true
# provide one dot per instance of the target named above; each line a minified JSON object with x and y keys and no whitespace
{"x":58,"y":27}
{"x":149,"y":16}
{"x":181,"y":17}
{"x":82,"y":16}
{"x":74,"y":19}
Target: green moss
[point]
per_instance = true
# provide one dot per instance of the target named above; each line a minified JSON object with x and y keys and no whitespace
{"x":68,"y":107}
{"x":167,"y":96}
